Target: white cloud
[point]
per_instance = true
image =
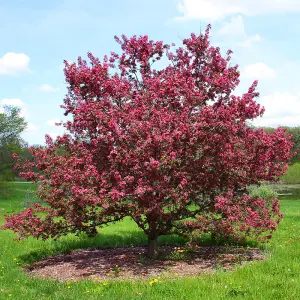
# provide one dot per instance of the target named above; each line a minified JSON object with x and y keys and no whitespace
{"x":24,"y":113}
{"x":258,"y":71}
{"x":282,"y":109}
{"x":213,"y":10}
{"x":12,"y":101}
{"x":250,"y":40}
{"x":47,"y":88}
{"x":204,"y":9}
{"x":52,"y":122}
{"x":12,"y":63}
{"x":15,"y":102}
{"x":236,"y":28}
{"x":53,"y":135}
{"x":31,"y":128}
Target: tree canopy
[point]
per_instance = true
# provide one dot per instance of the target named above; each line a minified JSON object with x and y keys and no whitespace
{"x":167,"y":147}
{"x":11,"y":127}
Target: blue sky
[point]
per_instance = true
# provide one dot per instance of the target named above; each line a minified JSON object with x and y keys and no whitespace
{"x":36,"y":36}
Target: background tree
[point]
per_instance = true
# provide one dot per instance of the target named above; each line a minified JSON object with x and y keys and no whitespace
{"x":159,"y":146}
{"x":11,"y":127}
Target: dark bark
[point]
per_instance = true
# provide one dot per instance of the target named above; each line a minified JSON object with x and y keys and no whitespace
{"x":152,"y":248}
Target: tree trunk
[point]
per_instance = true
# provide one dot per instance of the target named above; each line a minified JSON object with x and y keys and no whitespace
{"x":152,"y":248}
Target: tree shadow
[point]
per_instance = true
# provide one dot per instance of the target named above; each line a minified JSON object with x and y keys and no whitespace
{"x":127,"y":242}
{"x":132,"y":263}
{"x":67,"y":244}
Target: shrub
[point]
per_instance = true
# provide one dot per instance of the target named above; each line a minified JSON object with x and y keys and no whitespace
{"x":263,"y":192}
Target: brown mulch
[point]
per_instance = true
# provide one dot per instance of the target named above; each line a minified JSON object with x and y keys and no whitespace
{"x":100,"y":264}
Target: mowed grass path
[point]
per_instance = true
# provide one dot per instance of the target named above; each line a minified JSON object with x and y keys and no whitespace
{"x":276,"y":278}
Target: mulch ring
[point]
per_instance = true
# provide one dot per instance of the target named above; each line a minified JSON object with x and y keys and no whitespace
{"x":132,"y":263}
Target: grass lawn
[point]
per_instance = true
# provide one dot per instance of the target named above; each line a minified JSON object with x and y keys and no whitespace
{"x":278,"y":277}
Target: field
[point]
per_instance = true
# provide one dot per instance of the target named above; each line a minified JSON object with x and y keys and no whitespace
{"x":278,"y":277}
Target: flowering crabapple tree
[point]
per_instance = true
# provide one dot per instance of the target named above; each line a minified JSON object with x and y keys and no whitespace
{"x":161,"y":146}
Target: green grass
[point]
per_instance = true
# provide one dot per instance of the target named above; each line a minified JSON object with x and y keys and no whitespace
{"x":278,"y":277}
{"x":292,"y":175}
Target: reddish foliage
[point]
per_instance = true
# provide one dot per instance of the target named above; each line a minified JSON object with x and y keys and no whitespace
{"x":237,"y":217}
{"x":150,"y":144}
